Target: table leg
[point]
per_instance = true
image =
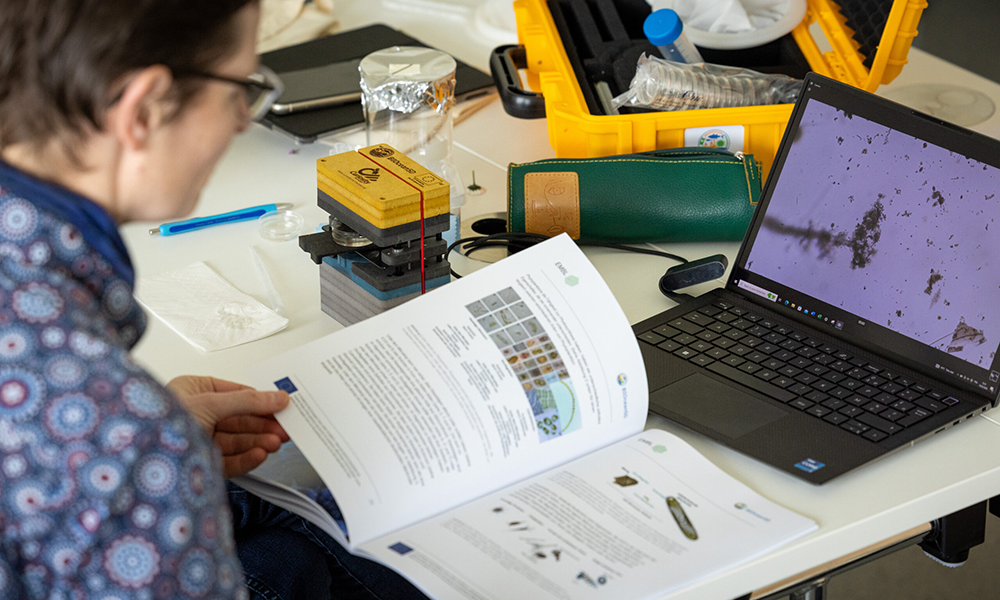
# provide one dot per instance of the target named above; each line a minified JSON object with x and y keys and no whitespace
{"x":954,"y":535}
{"x":810,"y":585}
{"x":816,"y":591}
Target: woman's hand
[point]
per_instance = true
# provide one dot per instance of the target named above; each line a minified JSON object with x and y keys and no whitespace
{"x":238,"y":418}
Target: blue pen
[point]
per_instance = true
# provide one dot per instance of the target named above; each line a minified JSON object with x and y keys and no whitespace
{"x":243,"y":214}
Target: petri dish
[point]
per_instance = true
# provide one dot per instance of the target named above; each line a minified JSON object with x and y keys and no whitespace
{"x":960,"y":105}
{"x":279,"y":225}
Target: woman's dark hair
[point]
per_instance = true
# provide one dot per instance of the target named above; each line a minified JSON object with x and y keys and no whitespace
{"x":59,"y":59}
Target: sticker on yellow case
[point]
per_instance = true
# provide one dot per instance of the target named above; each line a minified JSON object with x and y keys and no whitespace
{"x":687,"y":528}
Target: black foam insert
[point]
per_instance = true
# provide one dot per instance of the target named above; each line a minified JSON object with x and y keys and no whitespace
{"x":867,"y":18}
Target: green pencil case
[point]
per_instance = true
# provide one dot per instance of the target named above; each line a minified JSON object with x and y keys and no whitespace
{"x":673,"y":195}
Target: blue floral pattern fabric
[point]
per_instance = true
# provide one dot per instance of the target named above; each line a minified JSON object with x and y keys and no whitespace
{"x":108,"y":488}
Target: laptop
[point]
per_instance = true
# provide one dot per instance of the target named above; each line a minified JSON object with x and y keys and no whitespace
{"x":862,"y":313}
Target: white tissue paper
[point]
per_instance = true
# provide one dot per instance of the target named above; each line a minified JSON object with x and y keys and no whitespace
{"x":730,"y":16}
{"x":288,"y":22}
{"x":205,"y":309}
{"x":735,"y":24}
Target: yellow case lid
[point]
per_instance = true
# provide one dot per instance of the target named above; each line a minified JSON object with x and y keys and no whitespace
{"x":844,"y":62}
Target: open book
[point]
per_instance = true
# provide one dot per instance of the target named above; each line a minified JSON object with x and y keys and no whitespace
{"x":486,"y":441}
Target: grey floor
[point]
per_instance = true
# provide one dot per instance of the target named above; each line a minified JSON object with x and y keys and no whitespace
{"x":964,"y":32}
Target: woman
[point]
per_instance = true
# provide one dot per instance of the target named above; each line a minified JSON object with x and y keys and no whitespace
{"x":115,"y":111}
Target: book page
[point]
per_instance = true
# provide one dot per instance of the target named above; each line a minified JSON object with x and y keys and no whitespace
{"x":638,"y":519}
{"x":291,"y":499}
{"x":514,"y":369}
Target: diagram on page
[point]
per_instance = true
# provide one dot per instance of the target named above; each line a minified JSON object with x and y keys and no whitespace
{"x":534,"y":357}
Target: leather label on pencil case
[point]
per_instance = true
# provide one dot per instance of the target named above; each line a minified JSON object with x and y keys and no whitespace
{"x":552,"y":203}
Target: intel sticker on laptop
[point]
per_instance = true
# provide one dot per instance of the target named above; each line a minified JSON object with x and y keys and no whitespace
{"x":810,"y":466}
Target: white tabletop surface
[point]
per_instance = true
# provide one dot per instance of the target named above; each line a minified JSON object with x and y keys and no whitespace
{"x":953,"y":470}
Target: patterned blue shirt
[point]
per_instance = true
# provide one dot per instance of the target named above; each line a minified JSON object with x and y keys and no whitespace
{"x":108,"y":488}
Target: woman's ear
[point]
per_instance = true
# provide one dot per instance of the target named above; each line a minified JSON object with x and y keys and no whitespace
{"x":144,"y":106}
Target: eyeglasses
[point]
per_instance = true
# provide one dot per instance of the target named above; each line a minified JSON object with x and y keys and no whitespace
{"x":262,"y":88}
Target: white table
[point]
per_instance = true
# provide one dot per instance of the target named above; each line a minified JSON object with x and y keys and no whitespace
{"x":956,"y":469}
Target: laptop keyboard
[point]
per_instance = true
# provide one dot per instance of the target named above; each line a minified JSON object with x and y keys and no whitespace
{"x":817,"y":378}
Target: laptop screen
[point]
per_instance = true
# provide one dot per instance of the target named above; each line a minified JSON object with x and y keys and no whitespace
{"x":878,"y":223}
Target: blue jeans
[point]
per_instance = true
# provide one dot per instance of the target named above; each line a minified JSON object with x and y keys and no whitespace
{"x":286,"y":557}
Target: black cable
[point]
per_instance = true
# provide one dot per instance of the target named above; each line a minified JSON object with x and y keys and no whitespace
{"x":677,"y":297}
{"x":679,"y":259}
{"x":525,"y":240}
{"x":493,"y":240}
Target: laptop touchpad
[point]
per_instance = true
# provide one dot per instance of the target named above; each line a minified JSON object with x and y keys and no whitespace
{"x":715,"y":405}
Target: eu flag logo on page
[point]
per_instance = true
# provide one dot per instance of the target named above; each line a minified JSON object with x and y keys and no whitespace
{"x":401,"y":548}
{"x":286,"y":385}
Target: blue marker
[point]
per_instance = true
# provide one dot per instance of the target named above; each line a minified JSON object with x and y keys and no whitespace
{"x":243,"y":214}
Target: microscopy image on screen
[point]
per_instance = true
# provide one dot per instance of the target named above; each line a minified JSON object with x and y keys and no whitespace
{"x":889,"y":228}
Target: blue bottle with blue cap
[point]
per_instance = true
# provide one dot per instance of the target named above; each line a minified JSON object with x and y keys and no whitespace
{"x":665,"y":30}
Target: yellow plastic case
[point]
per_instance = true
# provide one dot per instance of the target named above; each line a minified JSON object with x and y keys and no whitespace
{"x":576,"y":133}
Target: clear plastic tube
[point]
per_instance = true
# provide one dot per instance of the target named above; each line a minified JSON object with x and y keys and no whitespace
{"x":665,"y":85}
{"x":681,"y":50}
{"x":665,"y":30}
